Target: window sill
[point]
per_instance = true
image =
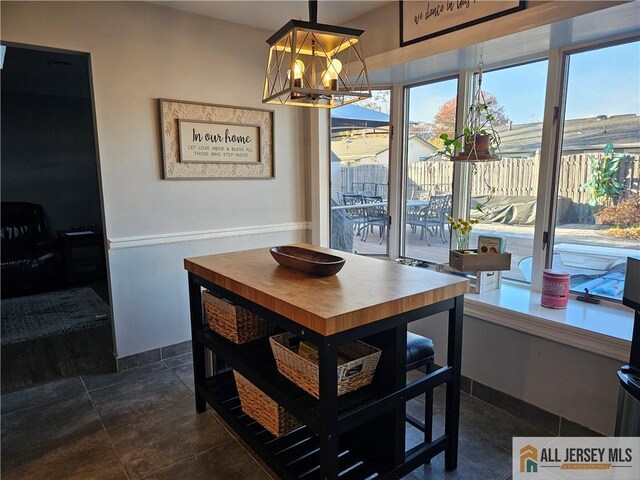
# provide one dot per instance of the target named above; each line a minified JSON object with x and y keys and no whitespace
{"x":602,"y":329}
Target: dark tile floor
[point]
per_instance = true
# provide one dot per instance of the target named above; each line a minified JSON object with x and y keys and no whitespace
{"x":141,"y":423}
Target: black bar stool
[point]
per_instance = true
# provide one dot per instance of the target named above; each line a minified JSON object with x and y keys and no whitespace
{"x":420,"y":352}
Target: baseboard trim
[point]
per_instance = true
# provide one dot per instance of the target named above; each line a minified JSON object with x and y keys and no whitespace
{"x":166,"y":238}
{"x":153,"y":355}
{"x":554,"y":424}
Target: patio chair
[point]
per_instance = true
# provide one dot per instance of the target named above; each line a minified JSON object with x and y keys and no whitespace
{"x":367,"y":193}
{"x":357,"y":215}
{"x":430,"y":217}
{"x":375,"y":216}
{"x":448,"y":208}
{"x":357,"y":186}
{"x":370,"y":187}
{"x":413,"y":217}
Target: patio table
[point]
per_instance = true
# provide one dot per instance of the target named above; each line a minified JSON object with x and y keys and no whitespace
{"x":409,"y":203}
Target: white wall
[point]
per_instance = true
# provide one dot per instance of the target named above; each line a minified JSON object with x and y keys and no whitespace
{"x":153,"y":296}
{"x":573,"y":383}
{"x":141,"y":52}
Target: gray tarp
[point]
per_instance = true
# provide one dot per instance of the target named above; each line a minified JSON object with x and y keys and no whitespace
{"x":341,"y":230}
{"x":519,"y":210}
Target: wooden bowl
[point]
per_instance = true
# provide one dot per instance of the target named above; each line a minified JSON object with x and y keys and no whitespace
{"x":307,"y":261}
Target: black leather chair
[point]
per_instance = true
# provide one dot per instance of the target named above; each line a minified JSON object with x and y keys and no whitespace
{"x":420,"y":353}
{"x":30,"y":255}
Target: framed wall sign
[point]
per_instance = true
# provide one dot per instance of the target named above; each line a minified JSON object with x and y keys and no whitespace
{"x":216,"y":142}
{"x":201,"y":140}
{"x":421,"y":20}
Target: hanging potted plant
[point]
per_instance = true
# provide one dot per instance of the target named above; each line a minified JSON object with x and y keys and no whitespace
{"x":478,"y":141}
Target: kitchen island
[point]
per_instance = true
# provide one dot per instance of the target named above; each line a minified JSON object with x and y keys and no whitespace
{"x":359,"y":435}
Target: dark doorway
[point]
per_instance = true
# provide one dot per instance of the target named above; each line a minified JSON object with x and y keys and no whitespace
{"x":55,"y":298}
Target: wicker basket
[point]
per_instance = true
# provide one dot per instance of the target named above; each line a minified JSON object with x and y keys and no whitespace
{"x":263,"y":409}
{"x":233,"y":322}
{"x":356,"y":373}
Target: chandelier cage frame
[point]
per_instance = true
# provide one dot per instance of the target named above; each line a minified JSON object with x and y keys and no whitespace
{"x":315,"y":65}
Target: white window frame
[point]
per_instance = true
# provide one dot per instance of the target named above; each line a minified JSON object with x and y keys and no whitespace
{"x":460,"y":182}
{"x":391,"y":178}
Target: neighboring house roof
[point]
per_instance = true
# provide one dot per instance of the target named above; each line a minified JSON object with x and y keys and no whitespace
{"x":362,"y":147}
{"x":579,"y":134}
{"x":423,"y":140}
{"x":359,"y":147}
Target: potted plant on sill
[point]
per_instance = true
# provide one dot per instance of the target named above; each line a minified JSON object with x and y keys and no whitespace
{"x":462,"y":229}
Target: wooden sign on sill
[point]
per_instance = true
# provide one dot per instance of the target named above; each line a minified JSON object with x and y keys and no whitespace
{"x":471,"y":261}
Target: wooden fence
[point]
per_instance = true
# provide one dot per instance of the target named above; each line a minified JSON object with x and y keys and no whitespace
{"x":517,"y":176}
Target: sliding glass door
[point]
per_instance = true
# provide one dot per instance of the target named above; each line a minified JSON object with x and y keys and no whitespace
{"x":360,"y":142}
{"x":431,"y":111}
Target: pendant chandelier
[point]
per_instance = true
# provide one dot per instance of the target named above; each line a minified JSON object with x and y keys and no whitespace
{"x":315,"y":65}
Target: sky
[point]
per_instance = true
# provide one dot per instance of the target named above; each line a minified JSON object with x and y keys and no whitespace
{"x":601,"y":82}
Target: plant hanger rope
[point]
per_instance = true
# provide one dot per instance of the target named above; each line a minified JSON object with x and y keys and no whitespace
{"x":480,"y":119}
{"x":478,"y":102}
{"x":479,"y":141}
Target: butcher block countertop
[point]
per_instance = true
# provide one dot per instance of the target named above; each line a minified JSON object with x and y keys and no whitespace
{"x":364,"y":291}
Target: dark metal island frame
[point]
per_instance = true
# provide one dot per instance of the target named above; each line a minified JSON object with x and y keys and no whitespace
{"x":359,"y":435}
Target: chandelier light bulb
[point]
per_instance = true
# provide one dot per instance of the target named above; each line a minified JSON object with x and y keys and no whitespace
{"x":334,"y":67}
{"x":298,"y":69}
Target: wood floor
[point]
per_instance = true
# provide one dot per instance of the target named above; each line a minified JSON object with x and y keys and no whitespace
{"x":51,"y":358}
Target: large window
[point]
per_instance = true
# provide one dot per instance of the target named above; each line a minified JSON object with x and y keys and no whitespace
{"x":360,"y":144}
{"x":597,"y":221}
{"x":565,"y":193}
{"x":506,"y":190}
{"x":431,"y":111}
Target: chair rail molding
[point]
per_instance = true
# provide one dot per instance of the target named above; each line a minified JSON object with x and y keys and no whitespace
{"x":177,"y":237}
